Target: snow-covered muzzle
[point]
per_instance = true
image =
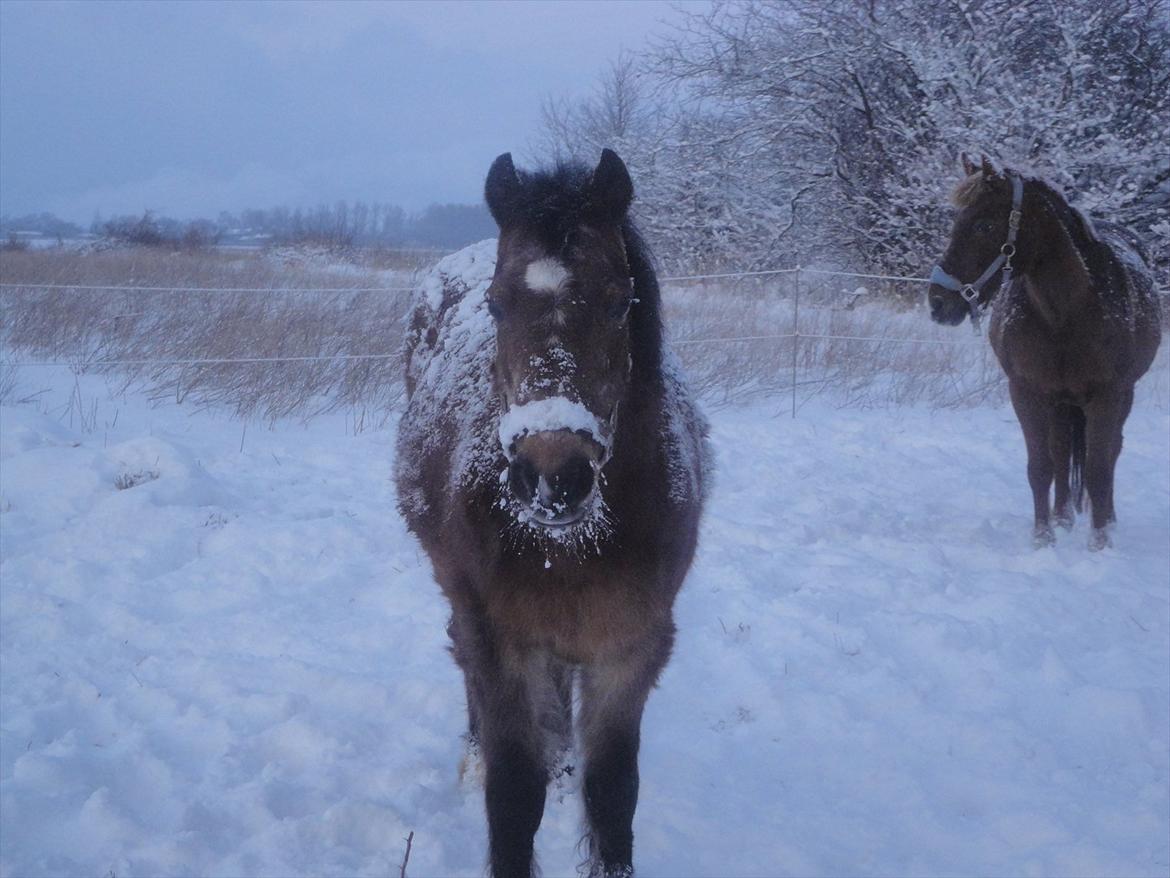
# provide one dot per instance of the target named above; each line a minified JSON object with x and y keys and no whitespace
{"x":555,"y":448}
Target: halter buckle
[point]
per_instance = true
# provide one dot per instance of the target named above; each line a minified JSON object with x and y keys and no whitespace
{"x":1008,"y":250}
{"x":970,"y":294}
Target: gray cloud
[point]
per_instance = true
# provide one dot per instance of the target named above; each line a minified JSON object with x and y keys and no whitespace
{"x":188,"y":108}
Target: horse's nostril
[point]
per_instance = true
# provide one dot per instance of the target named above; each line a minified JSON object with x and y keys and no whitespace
{"x":573,"y":482}
{"x":523,"y":479}
{"x":560,"y":492}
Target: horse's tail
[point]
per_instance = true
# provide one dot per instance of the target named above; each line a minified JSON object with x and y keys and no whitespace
{"x":1077,"y":455}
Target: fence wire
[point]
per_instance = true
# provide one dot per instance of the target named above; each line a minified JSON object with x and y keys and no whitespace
{"x":144,"y":289}
{"x":719,"y":352}
{"x":727,"y":275}
{"x":796,"y":272}
{"x":81,"y":363}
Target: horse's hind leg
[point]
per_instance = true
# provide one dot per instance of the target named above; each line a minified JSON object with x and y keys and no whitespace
{"x":1034,"y":414}
{"x":556,"y":717}
{"x":1105,"y":417}
{"x":462,"y":650}
{"x":1060,"y":450}
{"x":613,"y":695}
{"x":1125,"y":405}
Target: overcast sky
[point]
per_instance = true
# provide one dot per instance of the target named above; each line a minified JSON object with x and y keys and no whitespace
{"x":190,"y":108}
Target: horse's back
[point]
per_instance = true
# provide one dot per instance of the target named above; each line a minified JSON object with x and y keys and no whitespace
{"x":689,"y":458}
{"x":447,"y":359}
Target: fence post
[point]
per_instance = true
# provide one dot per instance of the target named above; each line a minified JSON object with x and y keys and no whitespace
{"x":795,"y":331}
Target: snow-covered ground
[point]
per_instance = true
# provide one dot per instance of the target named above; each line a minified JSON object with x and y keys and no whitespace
{"x":222,"y":655}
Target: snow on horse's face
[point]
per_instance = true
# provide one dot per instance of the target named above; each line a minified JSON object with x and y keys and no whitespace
{"x":561,"y":300}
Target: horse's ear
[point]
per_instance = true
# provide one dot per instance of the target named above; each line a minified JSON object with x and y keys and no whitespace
{"x":502,"y":190}
{"x":989,"y":167}
{"x":610,"y":189}
{"x":969,"y":166}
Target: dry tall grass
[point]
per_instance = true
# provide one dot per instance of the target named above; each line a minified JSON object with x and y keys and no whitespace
{"x":173,"y":344}
{"x":862,"y":344}
{"x":736,"y":339}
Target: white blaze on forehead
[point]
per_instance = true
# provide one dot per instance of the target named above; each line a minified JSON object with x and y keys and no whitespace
{"x":554,"y":413}
{"x":546,"y":275}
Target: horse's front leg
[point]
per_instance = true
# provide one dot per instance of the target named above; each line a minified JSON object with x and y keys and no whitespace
{"x":504,"y":721}
{"x":613,"y":695}
{"x":514,"y":790}
{"x":1034,"y":414}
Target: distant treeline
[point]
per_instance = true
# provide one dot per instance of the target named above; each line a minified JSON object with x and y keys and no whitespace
{"x":346,"y":224}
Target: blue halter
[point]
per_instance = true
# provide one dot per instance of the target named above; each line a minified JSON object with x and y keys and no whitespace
{"x":970,"y":292}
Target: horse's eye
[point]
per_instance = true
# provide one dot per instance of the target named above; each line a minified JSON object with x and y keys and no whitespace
{"x":983,"y":227}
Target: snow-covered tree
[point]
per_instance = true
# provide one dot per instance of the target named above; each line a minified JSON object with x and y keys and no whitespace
{"x":764,"y":132}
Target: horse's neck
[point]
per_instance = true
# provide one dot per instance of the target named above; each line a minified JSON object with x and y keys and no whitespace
{"x":1058,"y":282}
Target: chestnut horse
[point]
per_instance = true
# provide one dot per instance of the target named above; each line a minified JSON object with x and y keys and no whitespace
{"x":553,"y":466}
{"x":1075,"y":324}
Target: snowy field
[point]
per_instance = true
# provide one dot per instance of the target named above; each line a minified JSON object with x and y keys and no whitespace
{"x":222,"y":655}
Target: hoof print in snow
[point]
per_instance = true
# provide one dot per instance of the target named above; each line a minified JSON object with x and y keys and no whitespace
{"x":216,"y":520}
{"x":741,"y":717}
{"x":741,"y":633}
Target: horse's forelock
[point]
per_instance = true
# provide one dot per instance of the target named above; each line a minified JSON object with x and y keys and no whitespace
{"x":968,"y":190}
{"x":551,"y":202}
{"x":548,"y":204}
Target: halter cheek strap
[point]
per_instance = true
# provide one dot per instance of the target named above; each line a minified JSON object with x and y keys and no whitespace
{"x":970,"y":292}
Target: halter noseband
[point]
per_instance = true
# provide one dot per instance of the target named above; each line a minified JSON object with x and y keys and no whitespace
{"x":970,"y":292}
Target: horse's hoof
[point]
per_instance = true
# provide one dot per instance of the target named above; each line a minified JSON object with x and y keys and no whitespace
{"x":1066,"y":519}
{"x":1099,"y":539}
{"x":1042,"y":537}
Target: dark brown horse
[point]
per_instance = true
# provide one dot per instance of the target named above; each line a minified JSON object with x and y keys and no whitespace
{"x":1075,"y":325}
{"x":553,"y":467}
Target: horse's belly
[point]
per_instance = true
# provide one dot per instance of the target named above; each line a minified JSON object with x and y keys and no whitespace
{"x":1068,"y":368}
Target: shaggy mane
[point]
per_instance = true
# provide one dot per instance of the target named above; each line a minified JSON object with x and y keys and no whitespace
{"x":1076,"y":224}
